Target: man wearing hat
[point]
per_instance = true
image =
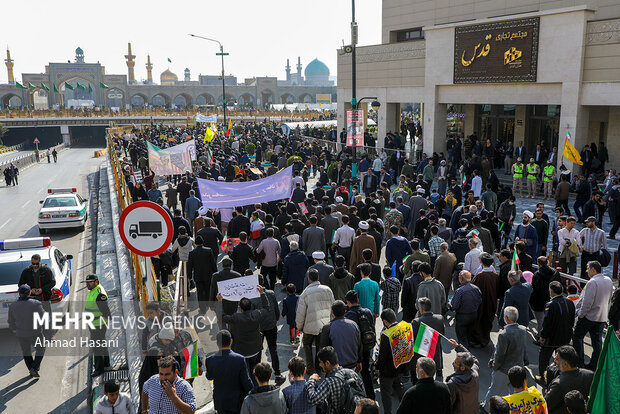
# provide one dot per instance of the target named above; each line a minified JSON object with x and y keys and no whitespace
{"x":97,"y":303}
{"x":532,"y":173}
{"x":360,"y":243}
{"x":548,"y":175}
{"x":21,"y":323}
{"x":527,"y":233}
{"x":517,"y":177}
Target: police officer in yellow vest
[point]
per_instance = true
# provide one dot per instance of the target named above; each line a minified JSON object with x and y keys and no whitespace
{"x":548,"y":173}
{"x":517,"y":177}
{"x":97,"y":304}
{"x":532,"y":173}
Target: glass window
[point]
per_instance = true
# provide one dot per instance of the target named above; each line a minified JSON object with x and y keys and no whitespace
{"x":409,"y":34}
{"x":60,"y":202}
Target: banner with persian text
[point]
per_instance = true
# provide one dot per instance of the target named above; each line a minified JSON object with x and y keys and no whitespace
{"x":220,"y":194}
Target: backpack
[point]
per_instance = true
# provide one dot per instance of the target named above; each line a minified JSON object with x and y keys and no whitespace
{"x":368,"y":334}
{"x":352,"y":390}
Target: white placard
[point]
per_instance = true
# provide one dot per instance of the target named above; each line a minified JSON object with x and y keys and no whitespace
{"x":240,"y":287}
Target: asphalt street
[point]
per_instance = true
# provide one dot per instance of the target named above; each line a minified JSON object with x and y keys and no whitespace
{"x":64,"y":386}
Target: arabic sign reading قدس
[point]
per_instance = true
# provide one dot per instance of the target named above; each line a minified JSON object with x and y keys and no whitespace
{"x":500,"y":52}
{"x":238,"y":288}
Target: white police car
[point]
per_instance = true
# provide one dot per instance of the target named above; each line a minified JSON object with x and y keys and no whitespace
{"x":15,"y":255}
{"x":62,"y":208}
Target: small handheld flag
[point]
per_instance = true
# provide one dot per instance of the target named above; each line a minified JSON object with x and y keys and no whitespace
{"x":229,"y":127}
{"x":515,"y":262}
{"x":190,"y":355}
{"x":570,"y":152}
{"x":426,"y":341}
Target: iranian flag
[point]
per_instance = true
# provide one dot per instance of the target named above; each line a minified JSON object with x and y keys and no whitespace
{"x":190,"y":355}
{"x":255,"y":227}
{"x":224,"y":245}
{"x":426,"y":341}
{"x":514,"y":266}
{"x":464,"y":179}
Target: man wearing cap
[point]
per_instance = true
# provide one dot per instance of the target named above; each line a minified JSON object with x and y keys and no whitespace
{"x":548,"y":175}
{"x":527,"y":233}
{"x":97,"y":303}
{"x":21,"y":323}
{"x":517,"y":177}
{"x":532,"y":173}
{"x":360,"y":243}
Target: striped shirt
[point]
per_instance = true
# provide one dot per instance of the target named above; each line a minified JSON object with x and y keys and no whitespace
{"x":592,"y":240}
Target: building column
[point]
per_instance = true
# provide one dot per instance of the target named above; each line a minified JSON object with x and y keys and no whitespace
{"x":520,"y":119}
{"x":65,"y":131}
{"x":434,"y":131}
{"x":574,"y":118}
{"x":469,"y":122}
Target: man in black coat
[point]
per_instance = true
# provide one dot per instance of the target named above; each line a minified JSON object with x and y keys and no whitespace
{"x":557,"y":328}
{"x":369,"y":183}
{"x":245,"y":328}
{"x":238,"y":223}
{"x":228,"y":307}
{"x":427,"y":395}
{"x":201,"y":266}
{"x":428,"y":318}
{"x":571,"y":378}
{"x":242,"y":254}
{"x":183,"y":191}
{"x":211,"y":236}
{"x":40,"y":278}
{"x":177,"y":221}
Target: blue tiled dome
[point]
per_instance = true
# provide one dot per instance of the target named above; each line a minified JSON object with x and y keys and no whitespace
{"x":316,"y":68}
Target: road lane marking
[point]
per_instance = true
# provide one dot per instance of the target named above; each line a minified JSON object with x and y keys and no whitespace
{"x":26,"y":203}
{"x":5,"y":223}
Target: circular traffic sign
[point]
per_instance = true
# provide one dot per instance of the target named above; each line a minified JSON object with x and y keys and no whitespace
{"x":145,"y":228}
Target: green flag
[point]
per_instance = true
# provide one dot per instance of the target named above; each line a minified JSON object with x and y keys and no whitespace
{"x":20,"y":86}
{"x":31,"y":86}
{"x":68,"y":86}
{"x":55,"y":88}
{"x":605,"y":388}
{"x":82,"y":87}
{"x":169,"y":60}
{"x":90,"y":88}
{"x":45,"y":87}
{"x":103,"y":85}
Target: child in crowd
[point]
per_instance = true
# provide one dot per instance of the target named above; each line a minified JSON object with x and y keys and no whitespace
{"x":295,"y":394}
{"x":289,"y":309}
{"x":573,"y":293}
{"x":390,"y":285}
{"x":114,"y":401}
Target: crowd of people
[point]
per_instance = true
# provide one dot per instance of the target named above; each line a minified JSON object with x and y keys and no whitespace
{"x":410,"y":246}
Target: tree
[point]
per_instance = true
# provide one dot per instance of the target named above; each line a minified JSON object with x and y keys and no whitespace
{"x":3,"y":131}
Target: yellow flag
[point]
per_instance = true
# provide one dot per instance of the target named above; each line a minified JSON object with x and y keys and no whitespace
{"x":209,"y":134}
{"x":570,"y":152}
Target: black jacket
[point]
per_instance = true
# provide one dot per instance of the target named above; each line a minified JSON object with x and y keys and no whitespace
{"x":245,"y":329}
{"x":540,"y":285}
{"x":238,"y":224}
{"x":558,"y":323}
{"x":231,"y":380}
{"x":241,"y":256}
{"x":385,"y":361}
{"x":408,"y":296}
{"x":212,"y":238}
{"x":201,"y":264}
{"x":579,"y":379}
{"x":426,"y":396}
{"x":44,"y":281}
{"x":375,"y":272}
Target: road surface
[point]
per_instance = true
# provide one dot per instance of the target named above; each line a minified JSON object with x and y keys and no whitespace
{"x":64,"y":386}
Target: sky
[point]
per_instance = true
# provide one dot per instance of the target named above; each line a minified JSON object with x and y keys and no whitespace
{"x":259,"y":35}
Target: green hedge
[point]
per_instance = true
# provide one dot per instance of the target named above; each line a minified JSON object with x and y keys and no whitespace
{"x":250,"y":148}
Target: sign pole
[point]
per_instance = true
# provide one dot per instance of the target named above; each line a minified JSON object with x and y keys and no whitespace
{"x":149,"y":279}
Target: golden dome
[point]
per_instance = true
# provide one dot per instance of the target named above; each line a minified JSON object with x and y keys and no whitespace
{"x":167,"y":75}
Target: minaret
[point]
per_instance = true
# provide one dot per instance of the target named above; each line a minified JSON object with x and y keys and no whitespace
{"x":9,"y":67}
{"x":299,"y":78}
{"x":288,"y":71}
{"x":130,"y":64}
{"x":149,"y":70}
{"x":187,"y":75}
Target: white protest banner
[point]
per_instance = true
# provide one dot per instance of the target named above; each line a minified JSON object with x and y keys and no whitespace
{"x":240,"y":287}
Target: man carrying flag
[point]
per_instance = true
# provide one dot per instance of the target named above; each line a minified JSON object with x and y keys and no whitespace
{"x":191,"y":361}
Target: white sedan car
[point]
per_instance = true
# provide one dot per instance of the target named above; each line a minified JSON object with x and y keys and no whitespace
{"x":62,"y":208}
{"x":15,"y":255}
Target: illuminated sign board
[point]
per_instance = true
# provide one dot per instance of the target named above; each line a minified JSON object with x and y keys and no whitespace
{"x":502,"y":52}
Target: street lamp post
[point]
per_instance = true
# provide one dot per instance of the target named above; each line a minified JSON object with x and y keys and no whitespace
{"x":222,"y":54}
